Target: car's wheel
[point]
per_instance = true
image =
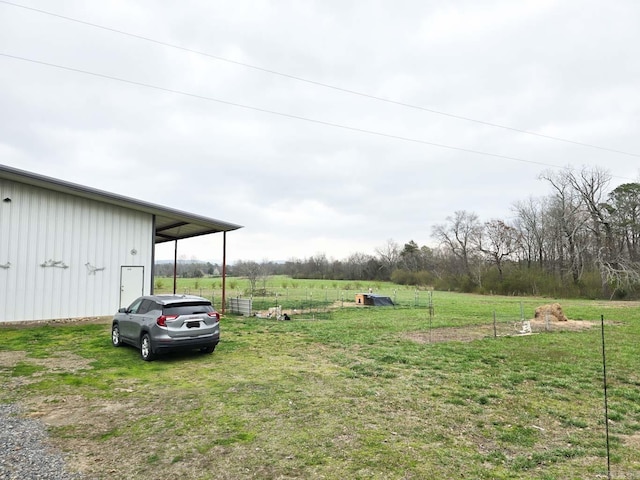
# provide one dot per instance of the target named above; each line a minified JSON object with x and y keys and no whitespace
{"x":208,"y":349}
{"x":146,"y":351}
{"x":115,"y":335}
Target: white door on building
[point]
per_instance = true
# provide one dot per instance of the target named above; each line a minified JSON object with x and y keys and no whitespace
{"x":131,"y":284}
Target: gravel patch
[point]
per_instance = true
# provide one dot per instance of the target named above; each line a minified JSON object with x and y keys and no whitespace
{"x":24,"y":450}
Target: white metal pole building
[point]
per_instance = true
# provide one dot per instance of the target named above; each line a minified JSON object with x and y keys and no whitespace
{"x":69,"y":251}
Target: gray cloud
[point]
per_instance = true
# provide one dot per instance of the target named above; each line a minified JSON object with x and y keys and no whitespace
{"x":563,"y":69}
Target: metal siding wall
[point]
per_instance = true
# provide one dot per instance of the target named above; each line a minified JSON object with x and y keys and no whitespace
{"x":8,"y":287}
{"x":40,"y":226}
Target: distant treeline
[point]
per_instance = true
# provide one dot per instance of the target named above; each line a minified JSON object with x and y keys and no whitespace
{"x":188,"y":269}
{"x":581,"y":241}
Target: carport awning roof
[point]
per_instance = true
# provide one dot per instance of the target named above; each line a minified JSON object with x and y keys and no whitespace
{"x":176,"y":225}
{"x":170,"y":224}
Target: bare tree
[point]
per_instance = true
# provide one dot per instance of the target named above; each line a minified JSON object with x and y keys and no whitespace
{"x":590,"y":185}
{"x":355,"y":266}
{"x":254,"y":271}
{"x":532,"y":224}
{"x":619,"y":259}
{"x":569,"y":220}
{"x":617,"y":271}
{"x":318,"y":266}
{"x":389,"y":255}
{"x":498,"y":241}
{"x":457,"y":236}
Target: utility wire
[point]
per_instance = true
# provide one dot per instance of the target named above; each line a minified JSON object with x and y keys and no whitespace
{"x":287,"y":115}
{"x":273,"y":112}
{"x":324,"y":85}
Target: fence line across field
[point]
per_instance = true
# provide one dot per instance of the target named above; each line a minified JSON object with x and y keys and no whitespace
{"x":317,"y":297}
{"x":299,"y":302}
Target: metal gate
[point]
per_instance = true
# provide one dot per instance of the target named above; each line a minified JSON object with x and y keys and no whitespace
{"x":241,"y":306}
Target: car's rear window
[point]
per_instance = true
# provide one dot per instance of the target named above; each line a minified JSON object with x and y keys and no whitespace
{"x":187,"y":308}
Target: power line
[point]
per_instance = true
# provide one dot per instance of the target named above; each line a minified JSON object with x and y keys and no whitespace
{"x":287,"y":115}
{"x":324,"y":85}
{"x":273,"y":112}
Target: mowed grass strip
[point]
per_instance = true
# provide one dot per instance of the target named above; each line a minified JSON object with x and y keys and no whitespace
{"x":351,"y":396}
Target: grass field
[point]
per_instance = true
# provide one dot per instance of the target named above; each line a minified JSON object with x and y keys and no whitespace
{"x":363,"y":393}
{"x":292,"y":293}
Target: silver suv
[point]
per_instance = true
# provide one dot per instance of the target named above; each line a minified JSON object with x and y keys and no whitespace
{"x":157,"y":323}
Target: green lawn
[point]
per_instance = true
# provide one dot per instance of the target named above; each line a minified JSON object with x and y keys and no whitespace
{"x":363,"y":393}
{"x":291,"y":293}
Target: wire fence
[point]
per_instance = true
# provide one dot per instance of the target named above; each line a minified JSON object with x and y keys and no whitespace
{"x":312,"y":299}
{"x":518,"y":318}
{"x":321,"y":301}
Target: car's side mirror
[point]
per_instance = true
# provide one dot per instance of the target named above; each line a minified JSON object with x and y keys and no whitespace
{"x":122,"y":310}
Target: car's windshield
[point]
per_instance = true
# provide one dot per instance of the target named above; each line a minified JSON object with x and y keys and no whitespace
{"x":187,"y":308}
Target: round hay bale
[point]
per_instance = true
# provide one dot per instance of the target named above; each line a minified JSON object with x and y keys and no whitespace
{"x":553,"y":310}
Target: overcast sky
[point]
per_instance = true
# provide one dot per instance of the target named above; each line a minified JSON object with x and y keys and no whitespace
{"x":272,"y":114}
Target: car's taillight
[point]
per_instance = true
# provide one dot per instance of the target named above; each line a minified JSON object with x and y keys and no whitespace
{"x":214,"y":314}
{"x":161,"y":321}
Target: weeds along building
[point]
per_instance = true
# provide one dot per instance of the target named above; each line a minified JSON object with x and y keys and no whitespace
{"x":69,"y":251}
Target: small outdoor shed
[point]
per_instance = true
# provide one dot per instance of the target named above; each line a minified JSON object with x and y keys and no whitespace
{"x":373,"y":300}
{"x":70,"y":251}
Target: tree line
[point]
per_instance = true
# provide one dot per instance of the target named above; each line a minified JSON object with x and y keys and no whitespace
{"x":582,"y":240}
{"x":187,"y":269}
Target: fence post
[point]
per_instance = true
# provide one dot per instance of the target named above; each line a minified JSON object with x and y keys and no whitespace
{"x":430,"y":318}
{"x":606,"y":398}
{"x":495,"y":331}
